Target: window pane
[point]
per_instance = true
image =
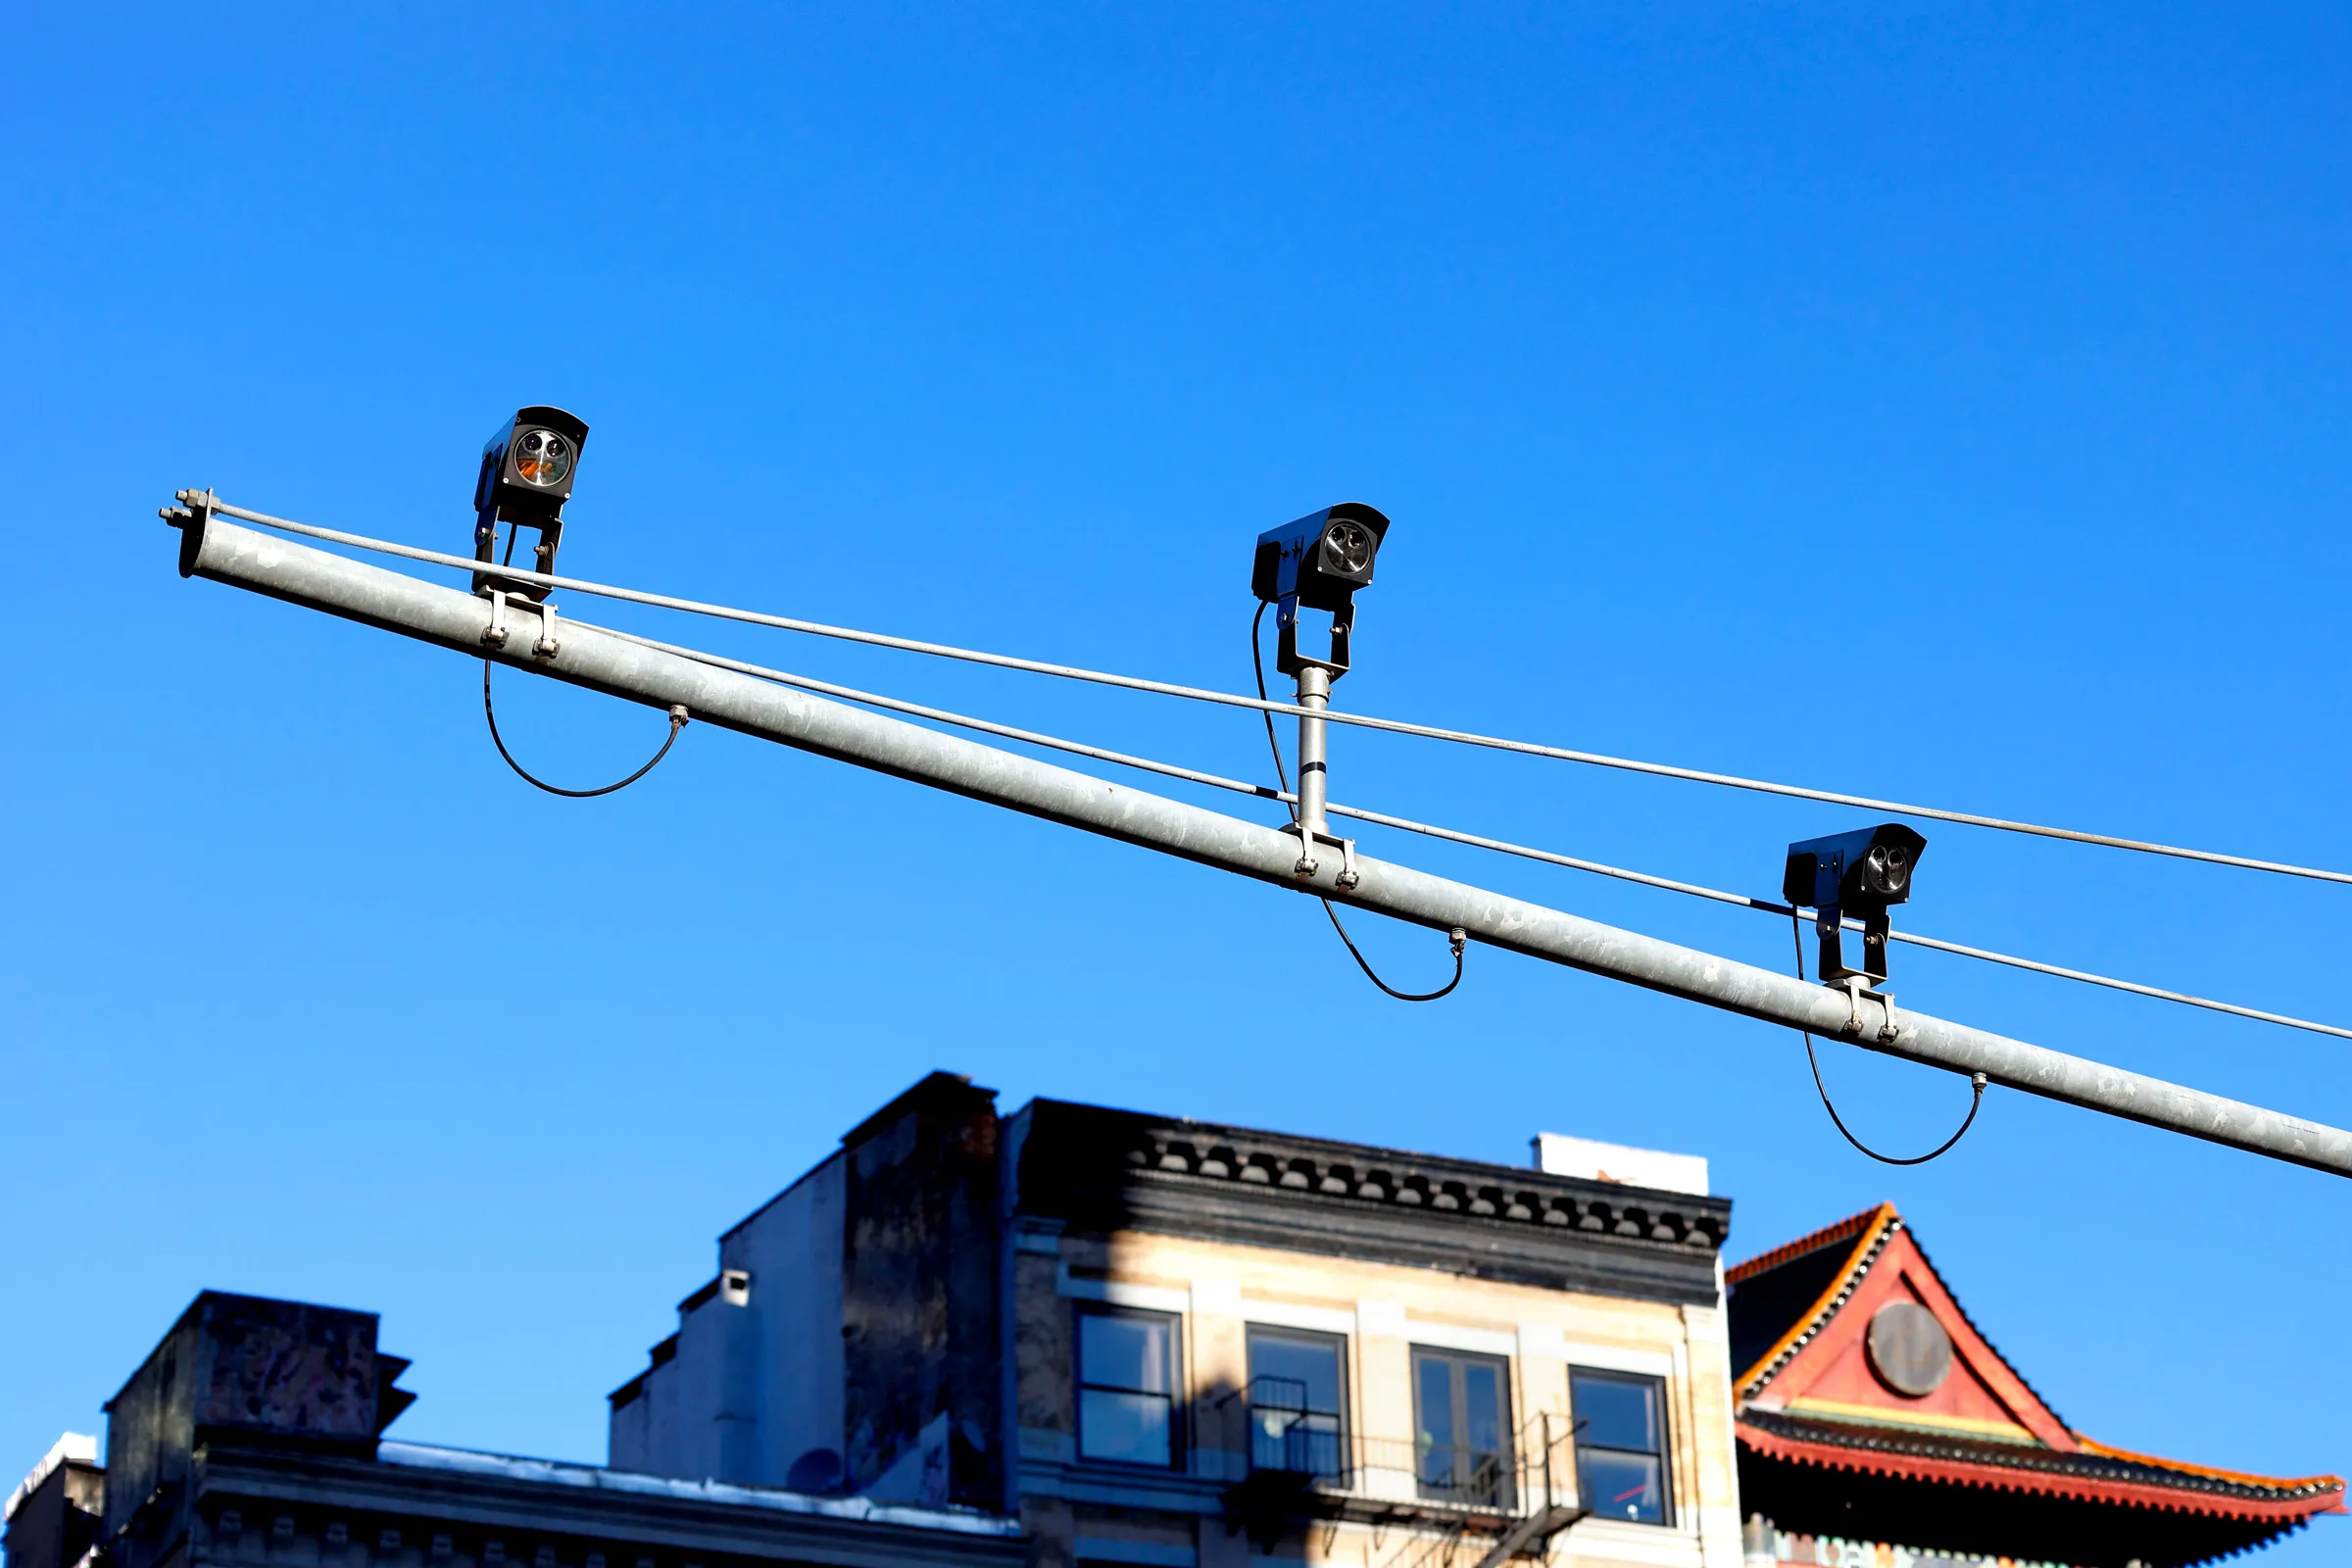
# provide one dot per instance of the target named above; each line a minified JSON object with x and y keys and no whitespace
{"x":1482,"y":1406}
{"x":1617,"y":1413}
{"x":1621,"y":1486}
{"x":1128,"y":1427}
{"x":1123,"y":1352}
{"x":1308,"y":1371}
{"x":1433,"y":1395}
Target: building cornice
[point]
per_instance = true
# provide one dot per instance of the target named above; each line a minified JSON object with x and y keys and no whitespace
{"x":1106,"y":1170}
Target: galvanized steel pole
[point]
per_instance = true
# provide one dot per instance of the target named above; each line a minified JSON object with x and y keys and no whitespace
{"x":244,"y":557}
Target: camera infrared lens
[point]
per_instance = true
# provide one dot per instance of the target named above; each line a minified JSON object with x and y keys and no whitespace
{"x":542,"y":458}
{"x":1348,"y":548}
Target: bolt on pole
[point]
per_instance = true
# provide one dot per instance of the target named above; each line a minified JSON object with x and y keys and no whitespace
{"x":244,"y":557}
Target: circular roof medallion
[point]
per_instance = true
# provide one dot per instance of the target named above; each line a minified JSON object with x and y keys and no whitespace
{"x":1908,"y":1348}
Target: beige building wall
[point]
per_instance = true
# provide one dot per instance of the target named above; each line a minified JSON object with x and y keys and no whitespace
{"x":1382,"y":1311}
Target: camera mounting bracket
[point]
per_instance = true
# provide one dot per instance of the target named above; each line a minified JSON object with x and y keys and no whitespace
{"x":1307,"y":864}
{"x":1287,"y":657}
{"x":1829,"y":924}
{"x":543,"y":554}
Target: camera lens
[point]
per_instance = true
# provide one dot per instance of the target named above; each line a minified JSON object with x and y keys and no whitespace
{"x":1348,"y":548}
{"x":1886,"y":869}
{"x":542,"y":458}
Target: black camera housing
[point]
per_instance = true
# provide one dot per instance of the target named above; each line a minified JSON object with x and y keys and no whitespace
{"x":1317,"y":562}
{"x":1864,"y":873}
{"x":502,"y":493}
{"x":1322,"y":558}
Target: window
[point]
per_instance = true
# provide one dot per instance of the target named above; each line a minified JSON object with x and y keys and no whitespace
{"x":1127,"y":1387}
{"x":1462,"y":1429}
{"x":1298,"y":1402}
{"x":1620,"y":1445}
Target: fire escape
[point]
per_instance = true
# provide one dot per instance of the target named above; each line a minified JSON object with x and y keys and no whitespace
{"x":1456,"y":1507}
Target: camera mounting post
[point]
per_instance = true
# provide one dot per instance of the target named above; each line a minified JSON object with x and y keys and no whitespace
{"x":1317,"y":562}
{"x":1314,"y":772}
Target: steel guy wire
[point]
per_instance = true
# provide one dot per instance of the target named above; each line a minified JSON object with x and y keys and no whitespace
{"x":1334,"y":716}
{"x":1285,"y":798}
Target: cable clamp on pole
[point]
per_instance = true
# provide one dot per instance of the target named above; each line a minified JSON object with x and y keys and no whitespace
{"x":547,"y":647}
{"x":1890,"y":1028}
{"x":494,"y":635}
{"x":1852,"y":986}
{"x":1308,"y":865}
{"x":1857,"y":990}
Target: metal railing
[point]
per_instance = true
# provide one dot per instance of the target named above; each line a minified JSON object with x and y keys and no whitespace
{"x":1285,"y":1440}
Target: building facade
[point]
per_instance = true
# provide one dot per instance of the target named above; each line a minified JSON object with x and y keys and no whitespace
{"x":1879,"y":1428}
{"x":1161,"y":1342}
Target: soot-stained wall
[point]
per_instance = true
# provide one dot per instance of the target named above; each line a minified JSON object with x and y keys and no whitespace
{"x":922,"y":1390}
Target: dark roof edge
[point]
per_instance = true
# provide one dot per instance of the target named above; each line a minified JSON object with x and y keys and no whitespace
{"x":1452,"y":1163}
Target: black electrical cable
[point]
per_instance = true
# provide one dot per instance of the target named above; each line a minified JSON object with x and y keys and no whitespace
{"x":677,"y":722}
{"x":1796,"y":932}
{"x":1456,"y":937}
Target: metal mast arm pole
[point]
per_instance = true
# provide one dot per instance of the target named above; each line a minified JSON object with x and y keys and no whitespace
{"x":243,"y":558}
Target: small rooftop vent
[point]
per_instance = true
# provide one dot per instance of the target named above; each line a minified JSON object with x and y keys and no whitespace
{"x":1557,"y":1155}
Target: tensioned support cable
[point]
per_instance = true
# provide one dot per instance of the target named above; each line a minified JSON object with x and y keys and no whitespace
{"x":1237,"y":700}
{"x":1218,"y":781}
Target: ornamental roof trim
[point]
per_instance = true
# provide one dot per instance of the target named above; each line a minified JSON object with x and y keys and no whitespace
{"x":1869,"y":1232}
{"x":2096,"y":1474}
{"x":2053,"y":1459}
{"x":1788,"y":1252}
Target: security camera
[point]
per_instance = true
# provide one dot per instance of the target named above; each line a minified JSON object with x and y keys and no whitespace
{"x":1317,"y":562}
{"x":1323,"y":557}
{"x":528,"y":465}
{"x":1863,"y":873}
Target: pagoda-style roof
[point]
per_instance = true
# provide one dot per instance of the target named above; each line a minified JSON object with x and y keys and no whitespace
{"x":1871,"y":1407}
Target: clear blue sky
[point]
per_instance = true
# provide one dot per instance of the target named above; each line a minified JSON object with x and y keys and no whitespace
{"x":1945,"y":403}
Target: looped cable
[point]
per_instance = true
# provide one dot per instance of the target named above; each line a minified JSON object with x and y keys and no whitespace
{"x":1975,"y":1101}
{"x":677,"y":722}
{"x":1456,"y":937}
